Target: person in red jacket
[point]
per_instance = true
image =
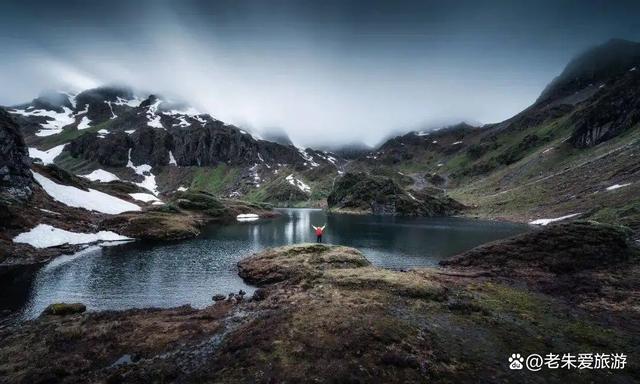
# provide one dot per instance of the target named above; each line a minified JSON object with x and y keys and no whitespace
{"x":319,"y":232}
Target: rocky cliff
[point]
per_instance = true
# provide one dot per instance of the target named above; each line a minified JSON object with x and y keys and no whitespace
{"x":111,"y":128}
{"x":15,"y":175}
{"x":360,"y":192}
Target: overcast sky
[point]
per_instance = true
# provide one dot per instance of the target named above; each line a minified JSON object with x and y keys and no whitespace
{"x":323,"y":71}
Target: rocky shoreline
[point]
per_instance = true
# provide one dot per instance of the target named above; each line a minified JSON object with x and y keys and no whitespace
{"x":322,"y":313}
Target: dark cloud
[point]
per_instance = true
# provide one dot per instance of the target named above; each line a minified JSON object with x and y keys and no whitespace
{"x":324,"y":71}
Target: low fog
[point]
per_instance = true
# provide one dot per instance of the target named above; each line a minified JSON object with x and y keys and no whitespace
{"x":334,"y":73}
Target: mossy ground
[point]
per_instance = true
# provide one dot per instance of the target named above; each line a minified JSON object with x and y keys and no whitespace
{"x":326,"y":315}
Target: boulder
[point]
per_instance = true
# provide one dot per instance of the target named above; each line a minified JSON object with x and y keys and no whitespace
{"x":63,"y":309}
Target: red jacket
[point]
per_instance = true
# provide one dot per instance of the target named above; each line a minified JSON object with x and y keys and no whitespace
{"x":319,"y":231}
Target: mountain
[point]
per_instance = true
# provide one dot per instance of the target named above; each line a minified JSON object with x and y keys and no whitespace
{"x":574,"y":151}
{"x":165,"y":146}
{"x":15,"y":175}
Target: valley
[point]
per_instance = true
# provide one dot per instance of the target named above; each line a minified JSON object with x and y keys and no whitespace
{"x":449,"y":248}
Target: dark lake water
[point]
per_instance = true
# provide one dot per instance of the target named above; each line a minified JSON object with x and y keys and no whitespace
{"x":140,"y":274}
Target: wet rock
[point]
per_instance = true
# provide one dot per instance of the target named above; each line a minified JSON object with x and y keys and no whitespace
{"x":63,"y":309}
{"x":218,"y":297}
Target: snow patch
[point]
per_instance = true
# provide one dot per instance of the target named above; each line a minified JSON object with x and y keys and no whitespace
{"x":144,"y":170}
{"x":256,"y":176}
{"x":172,"y":160}
{"x":113,"y":114}
{"x":128,"y":102}
{"x":129,"y":131}
{"x":145,"y":197}
{"x":44,"y":236}
{"x":247,"y":217}
{"x":182,"y":189}
{"x":298,"y":184}
{"x":307,"y":157}
{"x":101,"y":175}
{"x":153,"y":119}
{"x":91,"y":200}
{"x":56,"y":120}
{"x":547,"y":221}
{"x":457,"y":142}
{"x":616,"y":186}
{"x":47,"y":156}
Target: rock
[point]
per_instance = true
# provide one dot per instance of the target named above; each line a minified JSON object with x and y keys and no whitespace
{"x":297,"y":262}
{"x":218,"y":297}
{"x":380,"y":195}
{"x":241,"y":293}
{"x":560,"y":248}
{"x":259,"y":294}
{"x":154,"y":225}
{"x":16,"y":181}
{"x":63,"y":309}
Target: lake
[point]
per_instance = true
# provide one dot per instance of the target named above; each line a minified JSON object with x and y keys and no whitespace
{"x":141,"y":274}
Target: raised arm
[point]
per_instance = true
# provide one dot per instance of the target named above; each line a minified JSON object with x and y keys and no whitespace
{"x":323,"y":226}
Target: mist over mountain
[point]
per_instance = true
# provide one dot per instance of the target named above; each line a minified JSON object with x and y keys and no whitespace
{"x":325,"y":72}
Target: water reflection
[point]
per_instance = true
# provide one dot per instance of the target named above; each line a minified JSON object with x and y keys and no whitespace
{"x":189,"y":272}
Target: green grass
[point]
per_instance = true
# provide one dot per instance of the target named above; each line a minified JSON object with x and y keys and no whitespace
{"x":74,"y":165}
{"x":69,"y":134}
{"x":214,"y":179}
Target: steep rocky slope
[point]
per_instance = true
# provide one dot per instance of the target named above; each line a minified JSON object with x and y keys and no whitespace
{"x":15,"y":175}
{"x":363,"y":193}
{"x":574,"y":151}
{"x":111,"y":129}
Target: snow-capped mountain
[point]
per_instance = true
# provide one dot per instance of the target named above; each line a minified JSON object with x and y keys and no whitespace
{"x":158,"y":144}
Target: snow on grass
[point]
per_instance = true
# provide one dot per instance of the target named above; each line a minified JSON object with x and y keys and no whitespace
{"x":84,"y":123}
{"x":44,"y":236}
{"x":182,"y":189}
{"x":47,"y":156}
{"x":172,"y":160}
{"x":55,"y":120}
{"x":457,"y":142}
{"x":101,"y":175}
{"x":547,"y":221}
{"x":144,"y":170}
{"x":298,"y":184}
{"x":91,"y":200}
{"x":617,"y":186}
{"x":129,"y":131}
{"x":146,"y":197}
